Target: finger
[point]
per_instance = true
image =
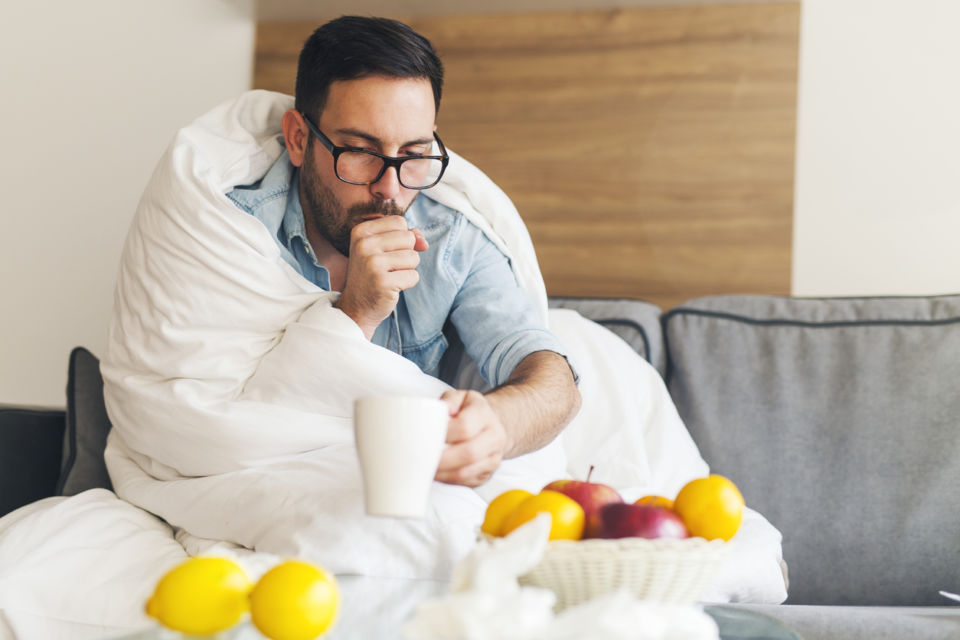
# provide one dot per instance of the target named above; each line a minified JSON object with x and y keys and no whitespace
{"x":454,"y":399}
{"x":462,"y":454}
{"x":468,"y":441}
{"x":385,"y":242}
{"x":421,"y":243}
{"x":382,"y":224}
{"x":398,"y":280}
{"x":384,"y":263}
{"x":472,"y":475}
{"x":470,"y":419}
{"x":464,"y":426}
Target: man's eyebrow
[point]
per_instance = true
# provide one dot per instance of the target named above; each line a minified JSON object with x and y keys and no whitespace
{"x":363,"y":135}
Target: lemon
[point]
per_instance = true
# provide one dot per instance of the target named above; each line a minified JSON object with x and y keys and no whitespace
{"x":201,"y":596}
{"x":500,"y":508}
{"x":568,"y":517}
{"x":711,"y":507}
{"x":294,"y":601}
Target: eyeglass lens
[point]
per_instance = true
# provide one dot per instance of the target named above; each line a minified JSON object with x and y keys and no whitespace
{"x":363,"y":168}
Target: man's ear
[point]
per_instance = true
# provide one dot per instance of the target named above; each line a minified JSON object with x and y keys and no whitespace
{"x":295,"y":136}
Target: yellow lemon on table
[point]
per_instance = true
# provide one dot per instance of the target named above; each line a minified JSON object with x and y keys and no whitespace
{"x":294,"y":601}
{"x":500,"y":509}
{"x":567,"y":514}
{"x":711,"y":507}
{"x":201,"y":596}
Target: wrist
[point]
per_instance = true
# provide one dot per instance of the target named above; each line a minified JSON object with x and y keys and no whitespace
{"x":501,"y":402}
{"x":367,"y":327}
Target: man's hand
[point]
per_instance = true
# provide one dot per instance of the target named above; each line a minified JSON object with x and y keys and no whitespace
{"x":521,"y":416}
{"x":384,"y":255}
{"x":477,"y":440}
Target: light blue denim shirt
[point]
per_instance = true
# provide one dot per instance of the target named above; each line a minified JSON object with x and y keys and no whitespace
{"x":464,"y":279}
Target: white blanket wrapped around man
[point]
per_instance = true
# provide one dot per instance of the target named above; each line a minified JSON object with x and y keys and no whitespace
{"x":230,"y":381}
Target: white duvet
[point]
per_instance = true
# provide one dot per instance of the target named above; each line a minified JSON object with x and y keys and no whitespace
{"x":230,"y":379}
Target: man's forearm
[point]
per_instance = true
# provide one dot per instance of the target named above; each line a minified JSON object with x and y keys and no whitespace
{"x":536,"y":403}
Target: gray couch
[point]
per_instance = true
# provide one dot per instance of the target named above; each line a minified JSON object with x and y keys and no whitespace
{"x":836,"y":417}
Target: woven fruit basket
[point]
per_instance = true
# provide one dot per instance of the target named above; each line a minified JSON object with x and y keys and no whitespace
{"x":661,"y":570}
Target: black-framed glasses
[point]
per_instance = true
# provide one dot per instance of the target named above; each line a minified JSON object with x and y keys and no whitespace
{"x":362,"y":167}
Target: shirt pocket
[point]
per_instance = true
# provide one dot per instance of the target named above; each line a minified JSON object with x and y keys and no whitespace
{"x":427,"y":355}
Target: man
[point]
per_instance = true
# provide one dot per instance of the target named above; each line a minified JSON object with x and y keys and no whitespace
{"x":359,"y":152}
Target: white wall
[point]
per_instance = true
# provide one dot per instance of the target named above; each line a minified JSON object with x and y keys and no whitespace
{"x":878,"y":149}
{"x":92,"y":92}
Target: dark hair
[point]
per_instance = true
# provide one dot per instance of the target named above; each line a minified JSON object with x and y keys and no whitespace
{"x":352,"y":47}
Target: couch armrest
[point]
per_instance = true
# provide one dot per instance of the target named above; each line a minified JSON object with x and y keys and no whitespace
{"x":31,"y":442}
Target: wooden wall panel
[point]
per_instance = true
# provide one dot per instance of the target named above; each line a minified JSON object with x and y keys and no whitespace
{"x":650,"y":151}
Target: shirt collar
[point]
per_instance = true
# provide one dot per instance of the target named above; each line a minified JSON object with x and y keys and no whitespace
{"x":293,"y":221}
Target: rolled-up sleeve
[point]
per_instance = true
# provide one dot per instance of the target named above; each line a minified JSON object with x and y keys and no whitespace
{"x":495,"y":318}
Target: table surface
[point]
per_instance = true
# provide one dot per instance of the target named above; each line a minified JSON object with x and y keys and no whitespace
{"x":378,"y":608}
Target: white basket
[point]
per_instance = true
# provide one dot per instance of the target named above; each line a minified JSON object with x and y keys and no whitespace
{"x":662,"y":570}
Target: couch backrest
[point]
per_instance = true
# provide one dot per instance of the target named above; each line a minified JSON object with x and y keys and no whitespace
{"x":85,"y":438}
{"x":838,"y":420}
{"x":637,"y":322}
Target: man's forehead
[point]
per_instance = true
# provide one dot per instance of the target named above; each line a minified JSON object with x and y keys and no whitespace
{"x":388,"y":110}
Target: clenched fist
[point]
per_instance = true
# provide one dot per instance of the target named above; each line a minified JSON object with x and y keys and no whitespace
{"x":384,"y":255}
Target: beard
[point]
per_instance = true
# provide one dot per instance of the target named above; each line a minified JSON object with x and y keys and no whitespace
{"x":327,"y":213}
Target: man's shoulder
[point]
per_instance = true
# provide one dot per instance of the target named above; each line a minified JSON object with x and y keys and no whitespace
{"x":272,"y":186}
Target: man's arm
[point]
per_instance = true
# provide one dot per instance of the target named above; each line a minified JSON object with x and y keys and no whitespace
{"x":522,"y":415}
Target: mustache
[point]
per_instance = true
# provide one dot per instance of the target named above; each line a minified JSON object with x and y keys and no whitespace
{"x":379,"y":207}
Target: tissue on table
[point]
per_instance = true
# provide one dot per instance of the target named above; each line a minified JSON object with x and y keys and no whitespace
{"x":487,"y":603}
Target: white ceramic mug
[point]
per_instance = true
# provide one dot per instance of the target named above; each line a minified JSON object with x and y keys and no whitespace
{"x":399,"y":442}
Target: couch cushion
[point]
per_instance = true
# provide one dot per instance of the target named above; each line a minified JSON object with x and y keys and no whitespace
{"x":30,"y":442}
{"x":838,"y":419}
{"x":85,"y":438}
{"x":636,"y":321}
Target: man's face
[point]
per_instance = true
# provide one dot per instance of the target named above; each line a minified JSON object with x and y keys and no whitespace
{"x":391,"y":116}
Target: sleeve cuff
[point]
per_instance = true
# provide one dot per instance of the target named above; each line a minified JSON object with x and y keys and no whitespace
{"x":514,"y":348}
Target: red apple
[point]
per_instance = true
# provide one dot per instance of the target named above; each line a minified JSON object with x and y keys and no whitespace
{"x":592,"y":496}
{"x":639,"y":521}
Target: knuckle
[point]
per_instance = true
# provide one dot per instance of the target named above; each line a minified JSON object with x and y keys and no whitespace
{"x":358,"y":232}
{"x":360,"y":242}
{"x":377,"y":262}
{"x":471,"y":452}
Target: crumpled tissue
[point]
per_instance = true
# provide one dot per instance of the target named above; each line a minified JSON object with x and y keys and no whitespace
{"x":486,"y":602}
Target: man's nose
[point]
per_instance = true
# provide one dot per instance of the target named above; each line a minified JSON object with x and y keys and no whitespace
{"x":388,"y":186}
